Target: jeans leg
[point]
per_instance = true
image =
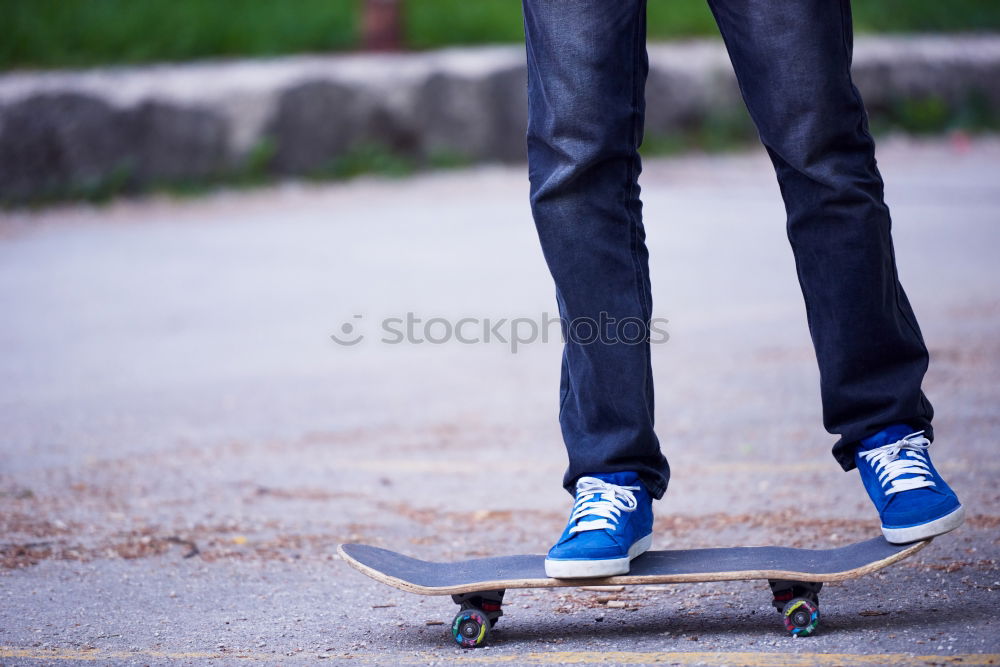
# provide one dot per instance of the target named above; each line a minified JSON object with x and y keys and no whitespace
{"x":793,"y":63}
{"x":586,"y":78}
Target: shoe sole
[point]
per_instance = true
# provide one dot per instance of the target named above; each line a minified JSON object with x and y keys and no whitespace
{"x":927,"y":530}
{"x":585,"y":569}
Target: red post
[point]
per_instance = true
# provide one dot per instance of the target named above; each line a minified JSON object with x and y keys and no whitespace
{"x":381,"y":25}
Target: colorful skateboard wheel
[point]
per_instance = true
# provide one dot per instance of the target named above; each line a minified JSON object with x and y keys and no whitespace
{"x":801,"y":617}
{"x":471,"y":628}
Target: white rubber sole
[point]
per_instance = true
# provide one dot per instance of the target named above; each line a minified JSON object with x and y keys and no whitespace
{"x":585,"y":569}
{"x":926,"y":530}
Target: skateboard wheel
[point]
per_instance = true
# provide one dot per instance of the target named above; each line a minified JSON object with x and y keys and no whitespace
{"x":471,"y":628}
{"x":801,"y":616}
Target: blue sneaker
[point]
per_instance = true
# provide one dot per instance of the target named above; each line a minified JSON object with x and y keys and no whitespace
{"x":913,"y":502}
{"x":611,"y":523}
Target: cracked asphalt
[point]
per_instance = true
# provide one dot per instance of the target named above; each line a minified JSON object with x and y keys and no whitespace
{"x":183,"y":444}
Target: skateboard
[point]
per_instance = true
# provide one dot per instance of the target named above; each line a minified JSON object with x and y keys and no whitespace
{"x":478,"y":586}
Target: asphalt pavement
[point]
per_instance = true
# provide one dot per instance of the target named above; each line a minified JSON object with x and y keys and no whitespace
{"x":184,"y":442}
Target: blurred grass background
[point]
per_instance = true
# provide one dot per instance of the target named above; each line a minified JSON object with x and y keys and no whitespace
{"x":76,"y":33}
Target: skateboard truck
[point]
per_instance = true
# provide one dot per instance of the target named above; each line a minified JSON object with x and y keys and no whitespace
{"x":477,"y":615}
{"x":798,"y":602}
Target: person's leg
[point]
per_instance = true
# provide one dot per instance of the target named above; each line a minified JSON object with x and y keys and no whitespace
{"x":586,"y":77}
{"x":793,"y":63}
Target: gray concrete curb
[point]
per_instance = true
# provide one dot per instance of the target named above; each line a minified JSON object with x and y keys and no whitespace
{"x":66,"y":130}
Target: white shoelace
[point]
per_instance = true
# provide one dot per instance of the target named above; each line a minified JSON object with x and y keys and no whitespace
{"x":606,"y":501}
{"x":903,"y":457}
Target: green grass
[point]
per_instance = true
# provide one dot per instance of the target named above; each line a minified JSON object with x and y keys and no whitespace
{"x":437,"y":23}
{"x":57,"y":33}
{"x":73,"y":33}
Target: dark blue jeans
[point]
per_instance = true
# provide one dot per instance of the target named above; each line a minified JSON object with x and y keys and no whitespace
{"x":587,"y":68}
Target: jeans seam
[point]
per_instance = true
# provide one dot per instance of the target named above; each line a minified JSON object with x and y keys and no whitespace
{"x":631,"y":176}
{"x":567,"y":391}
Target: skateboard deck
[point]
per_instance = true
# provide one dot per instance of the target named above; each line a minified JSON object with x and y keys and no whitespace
{"x":478,"y":585}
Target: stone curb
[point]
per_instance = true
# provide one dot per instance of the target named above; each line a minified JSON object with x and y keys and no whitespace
{"x":175,"y":123}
